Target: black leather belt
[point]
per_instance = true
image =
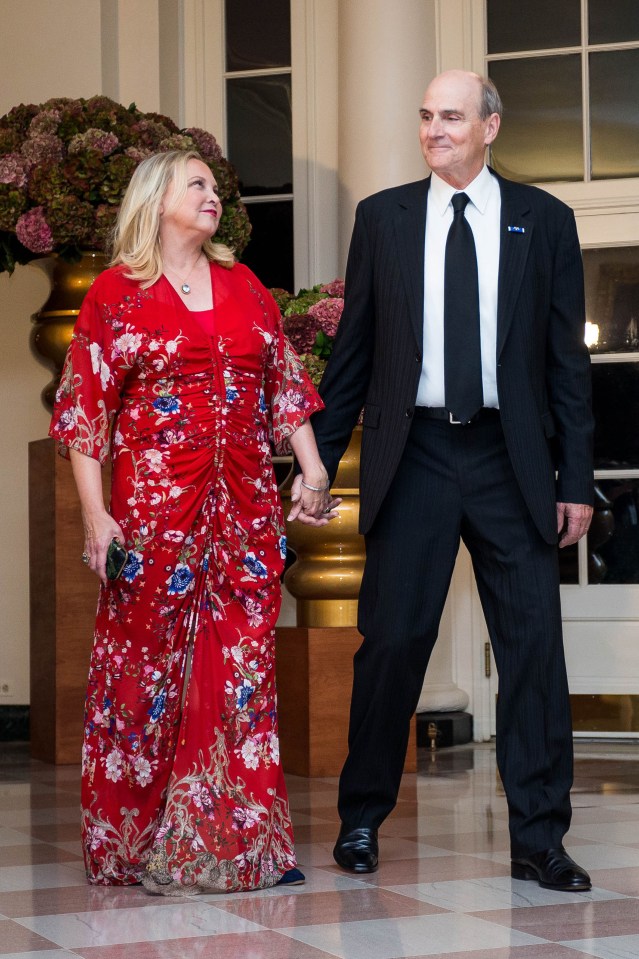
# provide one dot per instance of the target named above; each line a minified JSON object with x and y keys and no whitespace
{"x":441,"y":413}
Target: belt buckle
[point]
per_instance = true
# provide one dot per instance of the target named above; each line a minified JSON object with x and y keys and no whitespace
{"x":453,"y":421}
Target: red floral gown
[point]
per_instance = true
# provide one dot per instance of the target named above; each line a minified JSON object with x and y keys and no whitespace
{"x":182,"y":785}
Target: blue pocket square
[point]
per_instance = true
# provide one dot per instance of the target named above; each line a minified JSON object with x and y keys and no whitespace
{"x":516,"y":229}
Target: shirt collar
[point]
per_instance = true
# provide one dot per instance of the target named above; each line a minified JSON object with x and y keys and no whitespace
{"x":478,"y":191}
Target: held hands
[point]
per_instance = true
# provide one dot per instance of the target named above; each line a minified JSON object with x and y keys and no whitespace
{"x":573,"y":520}
{"x":314,"y":507}
{"x":99,"y":530}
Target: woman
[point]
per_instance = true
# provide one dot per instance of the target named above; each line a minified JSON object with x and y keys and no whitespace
{"x":179,"y":370}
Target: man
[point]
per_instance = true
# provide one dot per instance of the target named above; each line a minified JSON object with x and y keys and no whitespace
{"x":462,"y":339}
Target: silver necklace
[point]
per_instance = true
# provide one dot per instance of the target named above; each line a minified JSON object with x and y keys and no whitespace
{"x":186,"y":288}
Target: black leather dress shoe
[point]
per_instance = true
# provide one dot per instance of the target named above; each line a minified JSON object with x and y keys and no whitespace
{"x":553,"y":869}
{"x":356,"y":850}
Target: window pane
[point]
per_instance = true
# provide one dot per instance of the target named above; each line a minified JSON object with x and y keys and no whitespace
{"x":615,"y":388}
{"x":568,"y":565}
{"x":541,"y":133}
{"x":612,"y":299}
{"x":259,"y":133}
{"x":613,"y":21}
{"x":614,"y":116}
{"x":599,"y":534}
{"x":616,"y":537}
{"x":270,"y":250}
{"x":532,"y":25}
{"x":258,"y":35}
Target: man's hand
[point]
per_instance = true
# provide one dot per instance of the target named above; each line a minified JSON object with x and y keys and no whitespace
{"x":573,"y":520}
{"x":312,"y":507}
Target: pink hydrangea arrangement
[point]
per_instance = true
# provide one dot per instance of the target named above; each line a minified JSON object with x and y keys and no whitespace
{"x":310,"y":320}
{"x":64,"y":166}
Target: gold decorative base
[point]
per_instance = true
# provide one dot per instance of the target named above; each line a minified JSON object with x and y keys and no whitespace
{"x":326,"y":577}
{"x":327,"y":612}
{"x":53,"y":324}
{"x":605,"y":713}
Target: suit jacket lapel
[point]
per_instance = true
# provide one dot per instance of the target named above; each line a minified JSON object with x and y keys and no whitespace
{"x":410,"y":229}
{"x":513,"y":252}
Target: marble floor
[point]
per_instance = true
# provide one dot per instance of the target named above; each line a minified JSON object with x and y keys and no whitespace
{"x":443,"y":888}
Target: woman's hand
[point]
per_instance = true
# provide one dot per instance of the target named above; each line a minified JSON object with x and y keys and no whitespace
{"x":311,"y":500}
{"x":99,"y":525}
{"x":314,"y":507}
{"x":99,"y":530}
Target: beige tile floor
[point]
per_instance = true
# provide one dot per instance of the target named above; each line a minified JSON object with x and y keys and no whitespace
{"x":443,"y":888}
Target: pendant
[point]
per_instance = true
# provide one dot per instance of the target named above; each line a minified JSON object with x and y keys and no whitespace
{"x":185,"y":288}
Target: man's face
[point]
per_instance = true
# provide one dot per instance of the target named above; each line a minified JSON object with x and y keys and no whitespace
{"x":452,"y":135}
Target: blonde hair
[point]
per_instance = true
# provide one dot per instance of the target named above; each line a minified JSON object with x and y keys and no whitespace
{"x":136,"y":235}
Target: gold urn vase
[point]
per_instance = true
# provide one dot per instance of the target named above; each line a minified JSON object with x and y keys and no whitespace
{"x":327,"y":574}
{"x":53,"y":324}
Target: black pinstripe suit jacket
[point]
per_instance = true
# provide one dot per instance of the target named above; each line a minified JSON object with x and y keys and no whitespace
{"x":543,"y":366}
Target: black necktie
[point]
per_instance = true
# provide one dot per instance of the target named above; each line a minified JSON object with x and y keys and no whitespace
{"x":462,"y":343}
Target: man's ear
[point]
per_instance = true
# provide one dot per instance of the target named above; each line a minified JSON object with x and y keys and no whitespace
{"x":492,"y":128}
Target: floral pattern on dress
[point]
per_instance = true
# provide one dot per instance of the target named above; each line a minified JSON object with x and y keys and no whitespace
{"x":182,"y":784}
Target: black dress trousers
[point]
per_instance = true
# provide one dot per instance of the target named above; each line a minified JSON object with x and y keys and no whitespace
{"x":456,"y":482}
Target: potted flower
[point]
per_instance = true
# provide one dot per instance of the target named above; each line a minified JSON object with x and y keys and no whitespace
{"x":310,"y":320}
{"x":326,"y":575}
{"x":64,"y":166}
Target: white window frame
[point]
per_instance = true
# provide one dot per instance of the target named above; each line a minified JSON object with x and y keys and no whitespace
{"x":314,"y":117}
{"x":607,"y":211}
{"x":607,"y":214}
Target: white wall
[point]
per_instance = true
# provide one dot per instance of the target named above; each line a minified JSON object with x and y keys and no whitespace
{"x":132,"y":51}
{"x":46,"y":49}
{"x":386,"y":61}
{"x":49,"y":49}
{"x":23,"y":418}
{"x":73,"y":48}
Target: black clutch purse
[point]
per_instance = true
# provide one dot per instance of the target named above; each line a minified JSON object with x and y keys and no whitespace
{"x":116,"y":559}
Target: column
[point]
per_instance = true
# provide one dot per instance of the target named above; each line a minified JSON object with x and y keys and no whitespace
{"x":131,"y":52}
{"x":386,"y":60}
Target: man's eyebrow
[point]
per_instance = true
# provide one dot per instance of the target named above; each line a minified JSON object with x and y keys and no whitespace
{"x":444,"y":113}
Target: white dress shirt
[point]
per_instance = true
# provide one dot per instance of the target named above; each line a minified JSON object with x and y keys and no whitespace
{"x":483,"y":214}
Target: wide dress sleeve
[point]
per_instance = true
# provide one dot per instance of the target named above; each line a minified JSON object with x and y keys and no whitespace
{"x":95,"y":367}
{"x":289,"y":391}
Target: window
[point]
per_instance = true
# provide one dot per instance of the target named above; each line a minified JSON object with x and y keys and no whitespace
{"x":569,"y":76}
{"x":611,"y":554}
{"x":259,"y":130}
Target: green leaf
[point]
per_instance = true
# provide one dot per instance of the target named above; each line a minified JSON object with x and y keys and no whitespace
{"x":13,"y":252}
{"x":7,"y":259}
{"x":70,"y":253}
{"x":323,"y":345}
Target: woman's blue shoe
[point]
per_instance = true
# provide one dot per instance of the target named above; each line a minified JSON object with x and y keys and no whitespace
{"x":292,"y":877}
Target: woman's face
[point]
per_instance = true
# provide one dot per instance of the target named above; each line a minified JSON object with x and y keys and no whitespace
{"x":198,"y":213}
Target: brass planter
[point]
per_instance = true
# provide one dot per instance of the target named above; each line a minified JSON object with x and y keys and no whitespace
{"x":326,"y":577}
{"x":53,"y":324}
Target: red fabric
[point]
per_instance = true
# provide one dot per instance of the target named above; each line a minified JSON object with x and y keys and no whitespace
{"x":181,"y":778}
